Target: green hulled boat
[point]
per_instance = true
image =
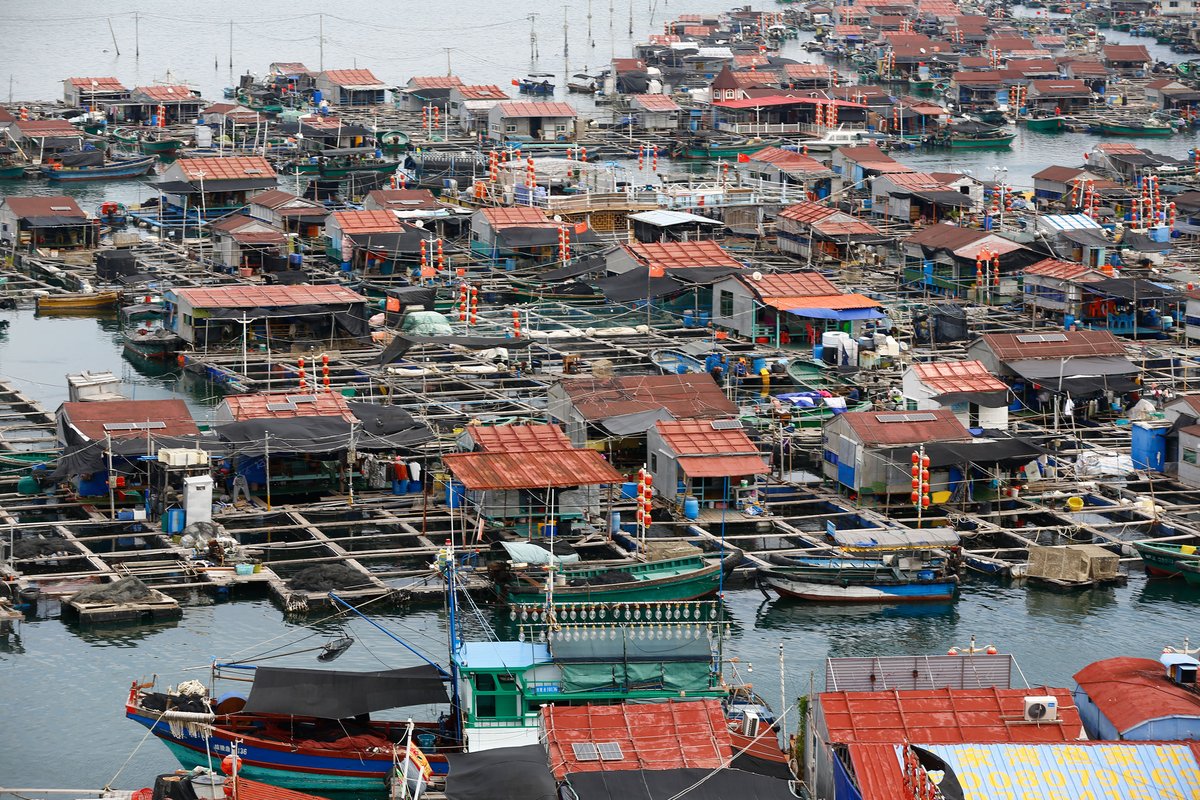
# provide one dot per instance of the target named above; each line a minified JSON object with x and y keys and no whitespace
{"x":160,"y":146}
{"x":332,"y":168}
{"x":712,"y":149}
{"x":1043,"y":124}
{"x":393,"y":141}
{"x":682,"y":578}
{"x":11,"y":172}
{"x":958,"y":142}
{"x":1135,"y":128}
{"x":1164,"y":558}
{"x":1190,"y":570}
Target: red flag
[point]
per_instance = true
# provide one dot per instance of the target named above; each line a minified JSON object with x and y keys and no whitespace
{"x":516,"y":82}
{"x":657,"y":271}
{"x":581,"y":228}
{"x":743,"y":158}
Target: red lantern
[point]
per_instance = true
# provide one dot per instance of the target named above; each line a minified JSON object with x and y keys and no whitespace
{"x":916,"y":497}
{"x":925,"y":501}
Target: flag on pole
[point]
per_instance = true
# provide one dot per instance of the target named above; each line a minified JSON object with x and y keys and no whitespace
{"x":743,"y":158}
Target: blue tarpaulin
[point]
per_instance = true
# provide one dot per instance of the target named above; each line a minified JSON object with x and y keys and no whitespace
{"x":842,"y":315}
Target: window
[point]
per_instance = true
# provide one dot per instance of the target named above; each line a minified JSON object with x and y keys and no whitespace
{"x":495,"y":696}
{"x":1189,"y":456}
{"x":654,"y":462}
{"x":510,"y":128}
{"x":726,"y":300}
{"x":187,"y":319}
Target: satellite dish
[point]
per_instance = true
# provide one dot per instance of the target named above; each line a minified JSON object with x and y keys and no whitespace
{"x":558,"y":218}
{"x":418,"y":223}
{"x":756,"y":276}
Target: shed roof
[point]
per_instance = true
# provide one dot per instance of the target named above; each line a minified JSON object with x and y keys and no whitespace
{"x":282,"y":405}
{"x":1126,"y":52}
{"x":435,"y":82}
{"x":38,"y":128}
{"x":789,"y":160}
{"x":1058,"y":174}
{"x":684,"y":396}
{"x":96,"y":420}
{"x":671,"y":735}
{"x":791,"y":284}
{"x":268,"y":296}
{"x":1063,"y":270}
{"x":1132,"y":691}
{"x":682,"y":255}
{"x":167,"y":94}
{"x":528,"y":438}
{"x":529,"y":108}
{"x":514,"y":216}
{"x":892,"y":428}
{"x":654,"y":102}
{"x":523,"y":470}
{"x":54,"y":206}
{"x":229,"y":168}
{"x":1059,"y":344}
{"x":944,"y":716}
{"x":945,"y":377}
{"x":482,"y":92}
{"x":353,"y":78}
{"x":374,"y":221}
{"x":105,"y":84}
{"x":691,"y":437}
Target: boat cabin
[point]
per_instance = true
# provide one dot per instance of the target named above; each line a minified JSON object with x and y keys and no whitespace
{"x":349,"y":87}
{"x":710,"y":461}
{"x":55,"y":223}
{"x":532,"y":121}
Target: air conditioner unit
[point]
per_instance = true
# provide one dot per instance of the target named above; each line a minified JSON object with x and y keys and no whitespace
{"x":1041,"y":709}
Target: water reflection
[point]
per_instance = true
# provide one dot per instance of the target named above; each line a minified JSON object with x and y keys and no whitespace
{"x":1072,"y":607}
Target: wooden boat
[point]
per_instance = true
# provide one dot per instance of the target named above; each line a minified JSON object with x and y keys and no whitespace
{"x":1163,"y":558}
{"x":68,"y":169}
{"x":393,"y":141}
{"x":683,"y":578}
{"x":157,"y":145}
{"x":295,"y":750}
{"x":1190,"y":570}
{"x":676,"y":362}
{"x":80,"y":301}
{"x":581,"y":83}
{"x":536,"y":84}
{"x":708,"y":148}
{"x":339,"y":166}
{"x":843,"y":580}
{"x":1052,"y":124}
{"x":11,"y":167}
{"x":155,"y":344}
{"x":1133,"y":127}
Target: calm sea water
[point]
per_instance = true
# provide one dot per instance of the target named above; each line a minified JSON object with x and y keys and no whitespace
{"x":62,"y":687}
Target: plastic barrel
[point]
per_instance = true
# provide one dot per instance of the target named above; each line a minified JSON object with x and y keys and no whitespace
{"x":175,"y":520}
{"x":399,"y":487}
{"x":629,"y":490}
{"x":818,"y":352}
{"x":455,"y":494}
{"x":757,"y":365}
{"x":614,"y":525}
{"x":691,"y":508}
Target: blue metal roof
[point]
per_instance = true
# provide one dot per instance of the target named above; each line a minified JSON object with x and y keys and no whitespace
{"x":1051,"y":772}
{"x":502,"y":655}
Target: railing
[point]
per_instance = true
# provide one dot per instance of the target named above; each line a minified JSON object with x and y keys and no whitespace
{"x":770,"y":128}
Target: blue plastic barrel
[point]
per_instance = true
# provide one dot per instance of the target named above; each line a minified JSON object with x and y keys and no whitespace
{"x":615,"y":523}
{"x":757,"y":365}
{"x":175,"y":520}
{"x":629,"y":490}
{"x":691,"y":508}
{"x":296,"y":259}
{"x":426,"y":741}
{"x":455,"y":494}
{"x":399,"y":487}
{"x":818,"y":352}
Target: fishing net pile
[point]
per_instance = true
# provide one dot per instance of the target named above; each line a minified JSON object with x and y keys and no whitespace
{"x":126,"y":590}
{"x":41,"y":546}
{"x":323,"y":577}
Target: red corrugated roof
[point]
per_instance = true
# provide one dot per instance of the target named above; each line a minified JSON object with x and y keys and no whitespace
{"x":519,"y":108}
{"x":435,"y":82}
{"x":944,"y":716}
{"x":482,"y":92}
{"x":376,"y":221}
{"x":835,"y":302}
{"x":229,"y":168}
{"x":806,"y":211}
{"x":253,"y":790}
{"x":257,"y":237}
{"x":877,"y":771}
{"x":1008,"y":347}
{"x":958,"y":376}
{"x":788,"y":160}
{"x":555,"y":468}
{"x":784,"y":100}
{"x":791,"y":284}
{"x":722,"y":466}
{"x":1063,"y":270}
{"x":1132,"y":691}
{"x":654,"y":102}
{"x":514,"y":216}
{"x":351,"y":78}
{"x":90,"y":418}
{"x":167,"y":94}
{"x":672,"y":735}
{"x":106,"y":84}
{"x":1126,"y":52}
{"x":684,"y":396}
{"x":321,"y":404}
{"x":690,"y":437}
{"x":682,"y":255}
{"x":529,"y":438}
{"x":268,"y":296}
{"x":47,"y":127}
{"x":890,"y":428}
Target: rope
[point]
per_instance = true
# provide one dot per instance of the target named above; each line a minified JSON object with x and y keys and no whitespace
{"x":149,"y":731}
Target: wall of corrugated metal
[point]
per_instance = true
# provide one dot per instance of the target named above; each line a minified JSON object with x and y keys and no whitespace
{"x":918,"y":672}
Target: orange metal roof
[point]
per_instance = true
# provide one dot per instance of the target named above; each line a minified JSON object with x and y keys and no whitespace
{"x":1063,"y":270}
{"x":106,"y":84}
{"x":435,"y":82}
{"x":519,"y":108}
{"x":90,"y":418}
{"x":902,"y":428}
{"x":376,"y":221}
{"x":791,"y":284}
{"x":876,"y":769}
{"x":268,"y":296}
{"x":553,"y":469}
{"x":351,"y":78}
{"x":258,"y":406}
{"x":944,"y":716}
{"x":682,"y":255}
{"x":805,"y":211}
{"x":690,"y":437}
{"x":722,"y":466}
{"x":835,"y":302}
{"x":515,"y":216}
{"x":694,"y":396}
{"x":47,"y":127}
{"x":1008,"y":347}
{"x":167,"y":94}
{"x":482,"y":92}
{"x":958,"y":376}
{"x":654,"y":102}
{"x":529,"y":438}
{"x":789,"y":160}
{"x":216,"y":168}
{"x":672,"y":735}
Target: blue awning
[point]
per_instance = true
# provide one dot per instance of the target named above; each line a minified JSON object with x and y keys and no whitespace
{"x":842,"y":315}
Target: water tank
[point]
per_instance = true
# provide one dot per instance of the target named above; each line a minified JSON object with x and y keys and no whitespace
{"x":1148,"y":447}
{"x":455,"y":494}
{"x":691,"y":508}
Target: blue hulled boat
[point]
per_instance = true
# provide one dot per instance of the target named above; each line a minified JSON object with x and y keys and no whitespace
{"x":91,"y":165}
{"x":857,"y":580}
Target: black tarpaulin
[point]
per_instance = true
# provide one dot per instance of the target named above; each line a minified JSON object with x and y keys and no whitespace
{"x":235,"y":184}
{"x":173,"y":187}
{"x":413,"y":296}
{"x":1079,"y":377}
{"x":55,"y":221}
{"x":337,"y":694}
{"x":505,"y":773}
{"x":1086,"y":236}
{"x":396,"y":243}
{"x":994,"y":399}
{"x":762,"y":766}
{"x":639,"y":784}
{"x":93,"y":457}
{"x":945,"y":197}
{"x":702,"y":275}
{"x":351,"y":318}
{"x":993,"y":447}
{"x":83,"y":158}
{"x":253,"y":437}
{"x":541,"y":236}
{"x":382,"y":420}
{"x":1128,"y":289}
{"x":402,"y":344}
{"x":582,"y":266}
{"x":636,"y":284}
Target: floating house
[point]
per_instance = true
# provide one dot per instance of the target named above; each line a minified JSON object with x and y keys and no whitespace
{"x":663,"y":225}
{"x":518,"y":232}
{"x":42,"y":136}
{"x":1168,"y":93}
{"x":324,"y":317}
{"x":45,"y":223}
{"x":82,"y":423}
{"x":159,"y":105}
{"x":919,"y":197}
{"x":470,"y":106}
{"x":1061,"y":96}
{"x":248,"y":244}
{"x":350,"y":87}
{"x":1054,"y":287}
{"x":1127,"y":60}
{"x":948,"y":259}
{"x":212,"y":186}
{"x":975,"y":396}
{"x":529,"y":121}
{"x":422,"y":91}
{"x":340,"y":226}
{"x":1139,"y":699}
{"x":713,"y":461}
{"x":93,"y":93}
{"x":1055,"y":182}
{"x":530,"y":477}
{"x":812,"y":231}
{"x":289,"y":213}
{"x":788,"y":168}
{"x":654,"y":112}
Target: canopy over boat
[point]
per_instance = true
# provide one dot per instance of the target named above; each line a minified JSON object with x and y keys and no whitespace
{"x":338,"y":694}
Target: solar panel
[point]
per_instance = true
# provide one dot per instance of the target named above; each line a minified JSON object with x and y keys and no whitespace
{"x":905,"y":417}
{"x":726,"y":424}
{"x":610,"y":751}
{"x":280,"y":407}
{"x":134,"y":426}
{"x":1032,"y":338}
{"x":301,"y":398}
{"x":118,"y":426}
{"x":585,"y":751}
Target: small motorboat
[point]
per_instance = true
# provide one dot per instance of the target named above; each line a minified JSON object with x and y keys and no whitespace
{"x":77,"y":301}
{"x":536,"y":83}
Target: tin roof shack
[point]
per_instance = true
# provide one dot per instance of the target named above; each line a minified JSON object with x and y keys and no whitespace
{"x":815,"y":232}
{"x":776,"y":308}
{"x":427,"y":90}
{"x":1167,"y":93}
{"x":788,"y":168}
{"x":1079,"y":365}
{"x":862,"y":450}
{"x":289,"y":213}
{"x":1053,"y":183}
{"x":517,"y":234}
{"x":341,"y":226}
{"x":248,"y":245}
{"x":330,"y":136}
{"x":1075,"y":237}
{"x":159,"y":105}
{"x":41,"y":136}
{"x":90,"y":93}
{"x":920,"y":197}
{"x":1139,"y":699}
{"x":847,"y":725}
{"x":982,"y":90}
{"x":211,"y":186}
{"x":470,"y":105}
{"x":654,"y":112}
{"x":529,"y":121}
{"x":350,"y":87}
{"x":854,"y":165}
{"x":677,"y":275}
{"x":1052,"y":287}
{"x":590,"y":409}
{"x":948,"y":260}
{"x":1127,"y":60}
{"x":46,"y":224}
{"x":663,"y":225}
{"x":975,"y":396}
{"x":775,"y":114}
{"x":322,"y":317}
{"x":713,"y":461}
{"x":1062,"y":95}
{"x":281,"y":405}
{"x":530,"y":478}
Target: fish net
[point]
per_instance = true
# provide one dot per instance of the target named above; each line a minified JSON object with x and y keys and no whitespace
{"x":324,"y":577}
{"x":41,"y":546}
{"x":126,"y":590}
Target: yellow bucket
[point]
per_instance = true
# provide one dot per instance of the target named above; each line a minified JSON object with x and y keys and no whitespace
{"x":1075,"y":503}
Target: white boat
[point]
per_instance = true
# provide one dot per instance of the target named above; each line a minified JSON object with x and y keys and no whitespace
{"x":832,"y":140}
